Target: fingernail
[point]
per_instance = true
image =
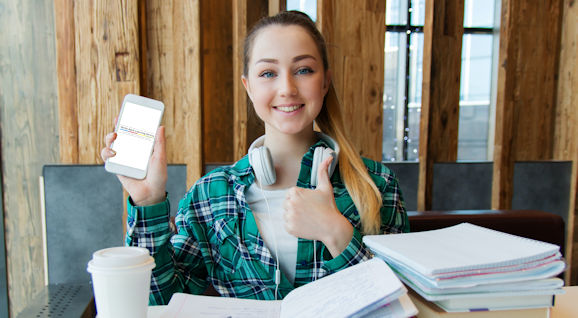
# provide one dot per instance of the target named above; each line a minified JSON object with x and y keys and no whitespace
{"x":111,"y":152}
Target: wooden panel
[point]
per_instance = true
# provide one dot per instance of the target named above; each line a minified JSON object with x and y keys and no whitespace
{"x":29,"y":132}
{"x":442,"y":52}
{"x":357,"y":66}
{"x":173,"y":75}
{"x":527,"y":79}
{"x":217,"y":64}
{"x":66,"y":71}
{"x":502,"y":180}
{"x":276,"y":6}
{"x":240,"y":99}
{"x":247,"y":125}
{"x":107,"y":63}
{"x":566,"y":124}
{"x":537,"y":72}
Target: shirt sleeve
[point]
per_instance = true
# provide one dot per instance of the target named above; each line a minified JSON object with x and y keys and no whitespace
{"x":354,"y":253}
{"x":393,"y":214}
{"x":178,"y":264}
{"x":393,"y":220}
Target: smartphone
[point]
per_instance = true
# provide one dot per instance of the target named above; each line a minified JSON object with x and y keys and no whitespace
{"x":136,"y":130}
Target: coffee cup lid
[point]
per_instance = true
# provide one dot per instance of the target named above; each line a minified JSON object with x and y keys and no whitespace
{"x":121,"y":258}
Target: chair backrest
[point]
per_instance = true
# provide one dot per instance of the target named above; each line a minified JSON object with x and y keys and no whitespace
{"x":543,"y":185}
{"x":176,"y":185}
{"x":408,"y":177}
{"x":83,"y":213}
{"x":462,"y":186}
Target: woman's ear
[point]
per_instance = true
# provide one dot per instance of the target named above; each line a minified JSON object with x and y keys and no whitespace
{"x":246,"y":85}
{"x":326,"y":82}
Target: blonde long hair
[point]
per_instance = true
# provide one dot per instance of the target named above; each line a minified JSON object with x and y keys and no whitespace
{"x":361,"y":188}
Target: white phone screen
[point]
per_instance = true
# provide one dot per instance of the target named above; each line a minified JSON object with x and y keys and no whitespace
{"x":135,"y":135}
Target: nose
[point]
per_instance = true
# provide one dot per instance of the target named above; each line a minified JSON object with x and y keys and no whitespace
{"x":287,"y":86}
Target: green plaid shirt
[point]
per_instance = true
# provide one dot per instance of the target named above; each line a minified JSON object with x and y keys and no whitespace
{"x":218,"y":242}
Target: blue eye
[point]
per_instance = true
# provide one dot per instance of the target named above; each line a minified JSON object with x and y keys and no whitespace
{"x":304,"y":70}
{"x":267,"y":74}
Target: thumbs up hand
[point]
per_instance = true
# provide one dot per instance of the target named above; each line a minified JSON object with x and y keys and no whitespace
{"x":313,"y":214}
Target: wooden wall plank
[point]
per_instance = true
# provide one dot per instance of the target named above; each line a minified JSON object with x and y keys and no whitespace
{"x":29,"y":132}
{"x":247,"y":125}
{"x":217,"y":74}
{"x":66,"y":73}
{"x":566,"y":124}
{"x":356,"y":58}
{"x":107,"y":62}
{"x":276,"y":6}
{"x":503,"y":164}
{"x":240,"y":100}
{"x":527,"y":81}
{"x":442,"y":53}
{"x":174,"y":76}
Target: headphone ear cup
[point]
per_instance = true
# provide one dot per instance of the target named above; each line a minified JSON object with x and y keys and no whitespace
{"x":262,"y":163}
{"x":320,"y":154}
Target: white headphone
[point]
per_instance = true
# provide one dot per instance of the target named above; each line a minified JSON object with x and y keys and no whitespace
{"x":262,"y":163}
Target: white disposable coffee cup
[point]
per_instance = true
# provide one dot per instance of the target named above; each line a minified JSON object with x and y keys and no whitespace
{"x":121,"y":281}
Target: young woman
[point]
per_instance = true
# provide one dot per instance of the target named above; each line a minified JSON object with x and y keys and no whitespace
{"x":278,"y":218}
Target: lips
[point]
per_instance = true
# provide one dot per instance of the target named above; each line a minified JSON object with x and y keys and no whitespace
{"x":289,"y":108}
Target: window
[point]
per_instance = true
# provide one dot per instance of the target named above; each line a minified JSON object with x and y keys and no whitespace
{"x":403,"y":79}
{"x":307,"y":6}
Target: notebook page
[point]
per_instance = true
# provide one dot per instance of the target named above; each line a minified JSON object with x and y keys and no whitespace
{"x":400,"y":308}
{"x":368,"y":284}
{"x":461,"y":247}
{"x":191,"y":306}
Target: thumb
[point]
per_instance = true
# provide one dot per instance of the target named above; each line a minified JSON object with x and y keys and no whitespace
{"x":159,"y":150}
{"x":323,"y":182}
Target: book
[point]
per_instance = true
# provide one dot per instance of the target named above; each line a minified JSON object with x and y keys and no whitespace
{"x":466,"y":255}
{"x":467,"y":267}
{"x":368,"y":289}
{"x":496,"y":302}
{"x":428,"y":309}
{"x":464,"y":248}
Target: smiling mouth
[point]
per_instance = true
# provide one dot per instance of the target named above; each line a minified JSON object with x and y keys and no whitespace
{"x":289,"y":109}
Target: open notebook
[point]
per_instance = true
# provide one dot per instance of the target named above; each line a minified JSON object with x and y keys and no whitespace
{"x":368,"y":289}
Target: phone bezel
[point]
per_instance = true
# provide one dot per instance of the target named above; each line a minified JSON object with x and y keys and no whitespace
{"x":129,"y":171}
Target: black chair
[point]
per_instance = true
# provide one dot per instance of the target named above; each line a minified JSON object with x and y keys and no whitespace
{"x":408,"y":177}
{"x":543,"y":185}
{"x":462,"y":186}
{"x":83,"y":208}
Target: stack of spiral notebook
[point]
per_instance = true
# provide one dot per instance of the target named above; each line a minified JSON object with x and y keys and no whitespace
{"x":472,"y":268}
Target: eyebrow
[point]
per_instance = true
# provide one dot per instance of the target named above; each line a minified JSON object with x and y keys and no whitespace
{"x":295,"y":59}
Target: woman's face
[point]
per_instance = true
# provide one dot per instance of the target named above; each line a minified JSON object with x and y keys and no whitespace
{"x":286,"y":80}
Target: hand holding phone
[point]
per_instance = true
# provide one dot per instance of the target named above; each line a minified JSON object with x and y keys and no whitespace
{"x":135,"y":123}
{"x":136,"y":129}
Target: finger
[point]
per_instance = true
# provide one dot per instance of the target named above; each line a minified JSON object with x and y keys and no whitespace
{"x":323,"y":182}
{"x":159,"y":150}
{"x":106,"y":153}
{"x":109,"y":138}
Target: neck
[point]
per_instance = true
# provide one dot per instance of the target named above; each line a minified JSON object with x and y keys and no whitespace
{"x":286,"y":148}
{"x":287,"y":152}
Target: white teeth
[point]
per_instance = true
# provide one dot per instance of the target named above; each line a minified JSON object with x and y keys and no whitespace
{"x":288,"y":109}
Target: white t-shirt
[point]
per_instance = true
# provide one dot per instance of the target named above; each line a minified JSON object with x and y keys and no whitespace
{"x":272,"y":227}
